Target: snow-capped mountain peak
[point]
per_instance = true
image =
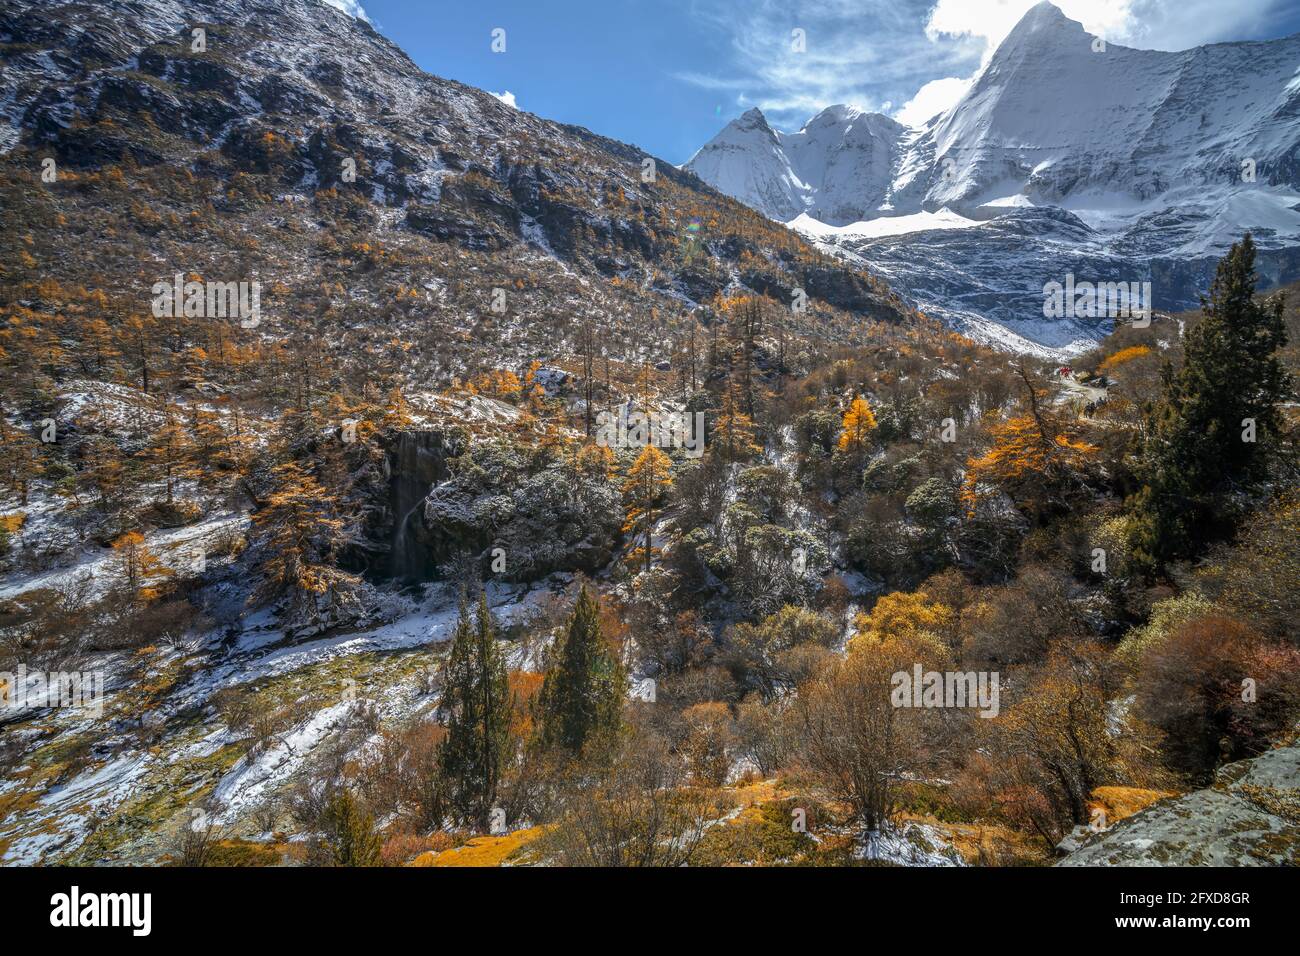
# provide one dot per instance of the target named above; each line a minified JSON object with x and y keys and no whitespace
{"x":1150,"y":161}
{"x":836,"y":168}
{"x":746,"y":161}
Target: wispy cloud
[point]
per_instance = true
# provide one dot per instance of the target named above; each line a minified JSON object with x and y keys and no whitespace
{"x":932,"y":99}
{"x":1148,"y":24}
{"x":873,"y":54}
{"x":922,"y":54}
{"x":351,"y":7}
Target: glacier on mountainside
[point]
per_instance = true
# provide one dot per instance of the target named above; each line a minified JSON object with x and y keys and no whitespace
{"x":1067,"y":154}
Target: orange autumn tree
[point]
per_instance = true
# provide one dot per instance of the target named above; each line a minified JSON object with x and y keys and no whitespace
{"x":855,"y":430}
{"x":497,"y":383}
{"x":20,"y":460}
{"x":301,"y":528}
{"x":170,"y":453}
{"x":593,"y":462}
{"x":647,"y":480}
{"x":524,"y":686}
{"x":1123,"y":355}
{"x":911,"y":614}
{"x":137,"y":566}
{"x":733,"y":437}
{"x":1036,"y":458}
{"x":532,"y":390}
{"x":858,"y":423}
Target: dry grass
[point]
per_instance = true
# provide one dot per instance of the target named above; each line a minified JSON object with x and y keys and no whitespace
{"x":1120,"y":802}
{"x":482,"y":851}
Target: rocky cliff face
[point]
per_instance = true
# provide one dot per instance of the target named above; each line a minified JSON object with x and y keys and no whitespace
{"x":416,"y":462}
{"x":1249,"y":817}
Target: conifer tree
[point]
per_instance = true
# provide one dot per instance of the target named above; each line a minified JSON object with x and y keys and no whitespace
{"x":478,"y":707}
{"x":137,"y":566}
{"x":171,"y":454}
{"x":733,"y":435}
{"x":582,"y":696}
{"x":1216,"y":425}
{"x":19,"y":460}
{"x":102,"y":470}
{"x":856,"y":427}
{"x":349,"y":834}
{"x":646,"y":482}
{"x":301,"y":526}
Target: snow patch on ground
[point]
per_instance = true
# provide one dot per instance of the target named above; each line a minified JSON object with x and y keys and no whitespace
{"x":945,"y":218}
{"x":911,"y":844}
{"x":252,"y":780}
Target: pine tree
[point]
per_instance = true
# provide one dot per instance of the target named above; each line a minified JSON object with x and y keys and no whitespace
{"x":1216,"y":425}
{"x":348,"y":831}
{"x":582,"y":696}
{"x":747,"y":319}
{"x":587,"y":349}
{"x":478,"y":707}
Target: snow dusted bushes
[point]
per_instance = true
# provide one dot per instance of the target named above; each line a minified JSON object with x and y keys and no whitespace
{"x":547,"y":511}
{"x":632,"y":808}
{"x":754,"y":544}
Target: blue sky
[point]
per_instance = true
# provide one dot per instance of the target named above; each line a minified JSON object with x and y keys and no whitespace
{"x":666,"y":75}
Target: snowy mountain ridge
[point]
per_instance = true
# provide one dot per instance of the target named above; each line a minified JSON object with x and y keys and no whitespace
{"x":836,"y":169}
{"x":1158,"y":160}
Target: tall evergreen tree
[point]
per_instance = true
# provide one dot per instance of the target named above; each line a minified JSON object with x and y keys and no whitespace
{"x":582,"y":695}
{"x":1213,"y":431}
{"x":477,"y":702}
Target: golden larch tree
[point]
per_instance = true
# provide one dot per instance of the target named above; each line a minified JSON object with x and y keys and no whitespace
{"x":647,"y":480}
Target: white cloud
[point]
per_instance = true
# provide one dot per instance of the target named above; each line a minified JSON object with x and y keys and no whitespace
{"x":507,"y":98}
{"x":920,"y":52}
{"x":1148,"y":24}
{"x":872,"y":53}
{"x":934,"y":97}
{"x":351,"y":7}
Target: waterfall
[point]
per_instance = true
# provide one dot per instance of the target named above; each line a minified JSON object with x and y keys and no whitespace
{"x":417,"y":462}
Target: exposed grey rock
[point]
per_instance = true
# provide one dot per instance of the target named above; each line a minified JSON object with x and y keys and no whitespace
{"x":1249,"y":817}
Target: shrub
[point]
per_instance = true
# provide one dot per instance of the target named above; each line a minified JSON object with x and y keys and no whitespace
{"x":1192,"y":685}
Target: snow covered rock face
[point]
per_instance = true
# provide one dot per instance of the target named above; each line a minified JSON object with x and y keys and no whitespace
{"x":516,"y":518}
{"x":1066,"y":155}
{"x":1058,"y":113}
{"x":1250,"y":817}
{"x":836,"y":169}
